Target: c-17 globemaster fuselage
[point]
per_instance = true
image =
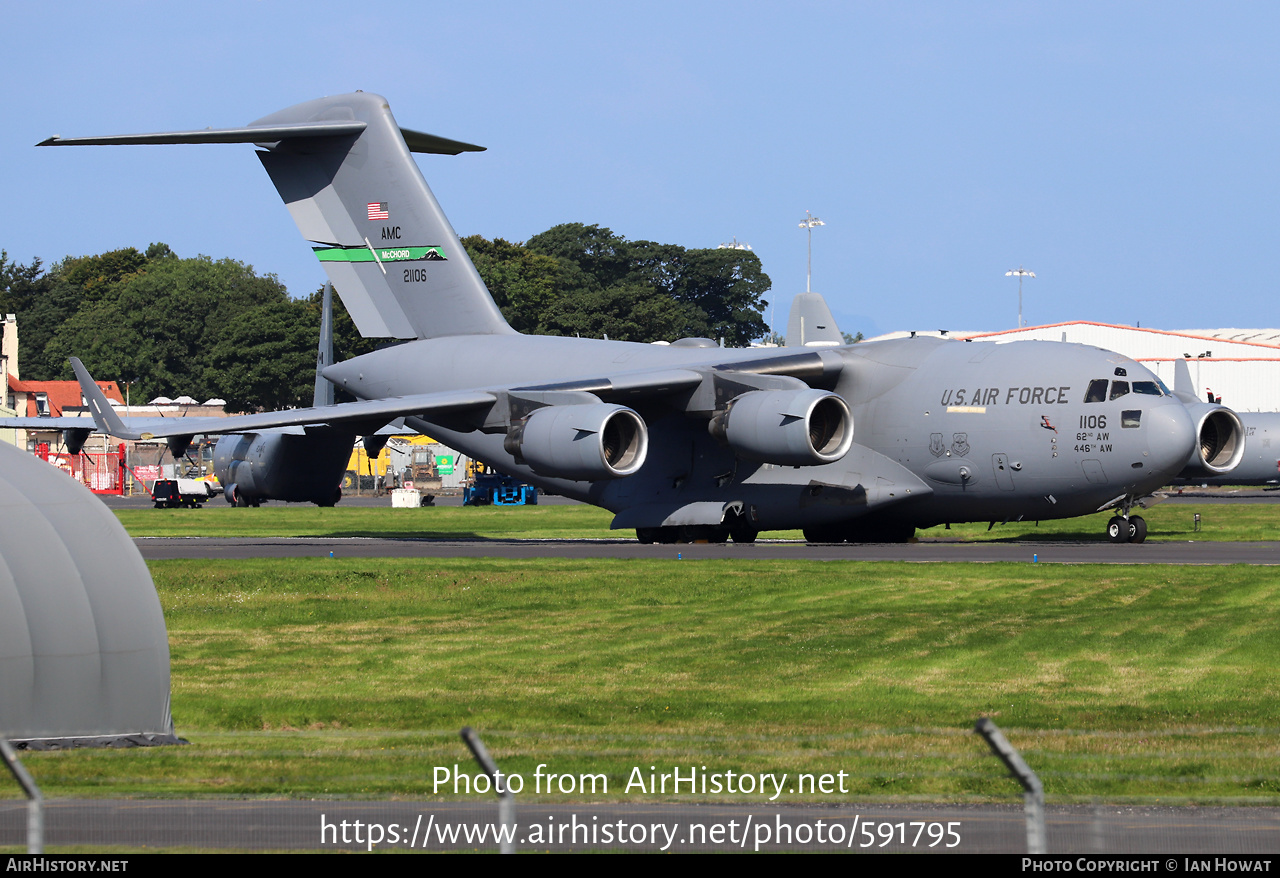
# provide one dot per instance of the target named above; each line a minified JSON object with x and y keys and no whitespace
{"x":689,"y":440}
{"x":945,"y":431}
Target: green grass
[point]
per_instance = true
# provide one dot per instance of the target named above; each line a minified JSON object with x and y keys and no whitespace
{"x":443,"y":522}
{"x":351,"y":678}
{"x":1219,"y":522}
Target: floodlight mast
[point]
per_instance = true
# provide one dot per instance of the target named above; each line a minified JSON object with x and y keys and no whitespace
{"x":1020,"y":273}
{"x":809,"y":222}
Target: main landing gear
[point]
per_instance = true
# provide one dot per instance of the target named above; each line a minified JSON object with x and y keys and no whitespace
{"x":698,"y":533}
{"x":860,"y":531}
{"x":1130,"y":529}
{"x":739,"y":524}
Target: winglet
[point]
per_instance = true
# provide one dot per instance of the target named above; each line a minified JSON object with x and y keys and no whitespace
{"x":103,"y":414}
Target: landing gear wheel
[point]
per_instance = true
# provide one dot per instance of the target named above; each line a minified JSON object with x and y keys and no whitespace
{"x":882,"y":533}
{"x":823,"y":533}
{"x":647,"y":535}
{"x":743,"y":534}
{"x":718,"y":534}
{"x":1118,"y":530}
{"x":1137,"y":529}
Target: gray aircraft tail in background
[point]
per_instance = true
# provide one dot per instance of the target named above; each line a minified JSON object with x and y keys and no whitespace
{"x":810,"y":323}
{"x":1260,"y":459}
{"x":690,"y":441}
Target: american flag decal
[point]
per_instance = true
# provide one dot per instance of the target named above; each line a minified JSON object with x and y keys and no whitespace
{"x":378,"y":210}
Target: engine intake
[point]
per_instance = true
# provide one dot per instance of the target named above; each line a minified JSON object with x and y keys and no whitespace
{"x":580,"y":442}
{"x":1219,"y":439}
{"x":786,"y":427}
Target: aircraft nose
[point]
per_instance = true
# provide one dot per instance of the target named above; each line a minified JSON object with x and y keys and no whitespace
{"x":1171,"y":437}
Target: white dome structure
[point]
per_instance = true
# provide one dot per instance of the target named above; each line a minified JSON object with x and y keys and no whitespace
{"x":84,"y":654}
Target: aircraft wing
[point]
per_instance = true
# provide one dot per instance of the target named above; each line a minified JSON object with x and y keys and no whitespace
{"x":63,"y":423}
{"x":772,"y":371}
{"x":353,"y":412}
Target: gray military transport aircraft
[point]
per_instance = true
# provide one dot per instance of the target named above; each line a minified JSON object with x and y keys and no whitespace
{"x":692,"y":441}
{"x":1259,"y":459}
{"x":300,"y":464}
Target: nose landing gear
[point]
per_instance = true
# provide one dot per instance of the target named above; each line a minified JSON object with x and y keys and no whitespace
{"x":1124,"y":527}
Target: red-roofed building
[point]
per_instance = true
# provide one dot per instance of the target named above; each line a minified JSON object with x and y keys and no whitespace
{"x":53,"y":399}
{"x":37,"y":399}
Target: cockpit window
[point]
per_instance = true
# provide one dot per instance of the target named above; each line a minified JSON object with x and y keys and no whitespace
{"x":1119,"y":389}
{"x":1131,"y":419}
{"x":1164,"y":387}
{"x":1097,"y":391}
{"x":1147,"y":388}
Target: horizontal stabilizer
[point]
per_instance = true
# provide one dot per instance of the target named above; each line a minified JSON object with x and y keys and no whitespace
{"x":417,"y":141}
{"x":263,"y":134}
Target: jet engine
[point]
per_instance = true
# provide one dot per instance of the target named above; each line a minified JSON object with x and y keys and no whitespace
{"x":1219,"y":439}
{"x":786,"y":427}
{"x":307,"y":467}
{"x":580,"y":442}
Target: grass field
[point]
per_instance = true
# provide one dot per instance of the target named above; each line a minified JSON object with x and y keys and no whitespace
{"x":322,"y":677}
{"x":1219,"y":521}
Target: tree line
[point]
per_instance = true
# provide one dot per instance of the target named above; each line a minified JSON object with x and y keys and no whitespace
{"x":168,"y":325}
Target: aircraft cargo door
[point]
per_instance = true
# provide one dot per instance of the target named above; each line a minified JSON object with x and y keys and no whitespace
{"x":1004,"y":475}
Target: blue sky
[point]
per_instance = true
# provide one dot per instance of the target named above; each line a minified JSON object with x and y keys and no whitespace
{"x":1124,"y":152}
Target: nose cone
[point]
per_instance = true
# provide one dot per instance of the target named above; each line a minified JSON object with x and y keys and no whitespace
{"x":1171,"y":438}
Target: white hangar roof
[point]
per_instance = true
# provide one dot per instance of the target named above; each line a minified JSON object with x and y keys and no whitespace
{"x":1240,"y":365}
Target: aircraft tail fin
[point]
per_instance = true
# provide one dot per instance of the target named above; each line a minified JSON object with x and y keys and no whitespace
{"x":810,"y":323}
{"x":342,"y":164}
{"x":1183,"y":388}
{"x":324,"y":356}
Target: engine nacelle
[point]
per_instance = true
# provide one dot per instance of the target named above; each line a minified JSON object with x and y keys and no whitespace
{"x":786,"y":427}
{"x":1219,"y":439}
{"x":581,"y":442}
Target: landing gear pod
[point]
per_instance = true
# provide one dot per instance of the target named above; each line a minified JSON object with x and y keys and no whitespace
{"x":581,"y":442}
{"x":786,"y":427}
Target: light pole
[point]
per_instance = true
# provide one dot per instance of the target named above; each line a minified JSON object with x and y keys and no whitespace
{"x":1020,"y":273}
{"x":809,"y":222}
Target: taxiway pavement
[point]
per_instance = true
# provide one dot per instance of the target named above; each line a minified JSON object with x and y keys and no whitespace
{"x":925,"y":551}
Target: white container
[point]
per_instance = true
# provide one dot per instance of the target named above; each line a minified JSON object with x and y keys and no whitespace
{"x":406,"y":498}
